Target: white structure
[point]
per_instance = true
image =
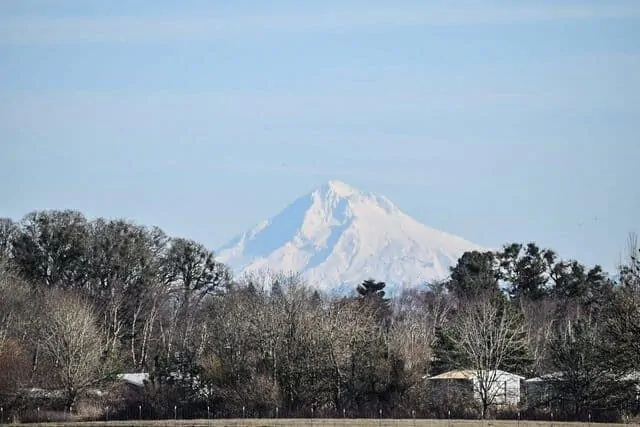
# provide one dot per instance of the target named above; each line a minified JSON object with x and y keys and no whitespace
{"x":137,"y":379}
{"x":497,"y":387}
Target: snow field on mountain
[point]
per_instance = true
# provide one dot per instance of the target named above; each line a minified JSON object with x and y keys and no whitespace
{"x":337,"y":235}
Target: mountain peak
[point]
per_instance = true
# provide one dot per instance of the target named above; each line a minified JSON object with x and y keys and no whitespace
{"x":337,"y":192}
{"x":338,"y":236}
{"x":339,"y":188}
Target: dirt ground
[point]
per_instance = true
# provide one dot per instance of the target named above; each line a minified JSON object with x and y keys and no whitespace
{"x":327,"y":423}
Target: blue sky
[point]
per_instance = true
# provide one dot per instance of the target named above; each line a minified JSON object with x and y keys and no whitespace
{"x":495,"y":120}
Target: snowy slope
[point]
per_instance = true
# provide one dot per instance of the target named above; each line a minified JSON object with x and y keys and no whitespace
{"x":338,"y":236}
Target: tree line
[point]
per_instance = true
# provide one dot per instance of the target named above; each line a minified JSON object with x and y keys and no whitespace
{"x":82,"y":301}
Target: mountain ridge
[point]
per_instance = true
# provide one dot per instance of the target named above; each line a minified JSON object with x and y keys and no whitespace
{"x":337,"y":235}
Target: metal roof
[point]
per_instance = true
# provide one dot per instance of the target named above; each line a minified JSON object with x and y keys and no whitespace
{"x":468,"y":374}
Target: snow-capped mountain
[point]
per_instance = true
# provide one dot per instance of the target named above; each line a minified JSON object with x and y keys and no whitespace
{"x":338,"y":236}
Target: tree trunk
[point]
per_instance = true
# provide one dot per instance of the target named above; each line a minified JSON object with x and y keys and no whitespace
{"x":485,"y":408}
{"x":72,"y":395}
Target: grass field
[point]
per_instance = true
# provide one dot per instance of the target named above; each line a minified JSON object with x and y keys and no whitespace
{"x":326,"y":423}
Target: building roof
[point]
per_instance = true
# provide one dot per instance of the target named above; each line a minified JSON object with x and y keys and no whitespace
{"x":136,"y":379}
{"x":633,"y":376}
{"x":455,"y":375}
{"x":468,"y":374}
{"x":545,"y":377}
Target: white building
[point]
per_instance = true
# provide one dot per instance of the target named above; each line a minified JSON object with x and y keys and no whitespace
{"x":137,"y":379}
{"x":498,"y":387}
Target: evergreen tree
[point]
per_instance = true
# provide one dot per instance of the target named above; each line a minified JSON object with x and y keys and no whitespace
{"x":526,"y":269}
{"x":372,"y":294}
{"x":447,"y":353}
{"x":579,"y":290}
{"x":371,"y":288}
{"x":475,"y":274}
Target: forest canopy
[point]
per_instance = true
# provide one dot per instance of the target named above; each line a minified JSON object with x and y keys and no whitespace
{"x":83,"y":301}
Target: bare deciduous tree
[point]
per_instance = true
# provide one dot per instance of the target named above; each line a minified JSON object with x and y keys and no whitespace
{"x":539,"y":321}
{"x":73,"y":344}
{"x":14,"y":364}
{"x":630,"y":270}
{"x":492,"y":337}
{"x":49,"y":248}
{"x":7,"y":229}
{"x":418,"y":315}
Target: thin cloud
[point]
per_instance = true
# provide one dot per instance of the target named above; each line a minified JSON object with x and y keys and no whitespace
{"x":45,"y":30}
{"x":27,"y":109}
{"x":126,"y":110}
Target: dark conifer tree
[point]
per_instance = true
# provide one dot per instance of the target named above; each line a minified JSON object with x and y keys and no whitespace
{"x":372,"y":293}
{"x":447,"y":354}
{"x":526,"y":269}
{"x":475,"y":274}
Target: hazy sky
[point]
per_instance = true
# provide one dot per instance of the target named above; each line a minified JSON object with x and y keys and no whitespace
{"x":494,"y":120}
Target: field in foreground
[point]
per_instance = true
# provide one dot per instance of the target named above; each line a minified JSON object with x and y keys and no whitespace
{"x":264,"y":422}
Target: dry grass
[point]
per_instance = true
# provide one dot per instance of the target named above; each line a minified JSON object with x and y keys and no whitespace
{"x":325,"y":423}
